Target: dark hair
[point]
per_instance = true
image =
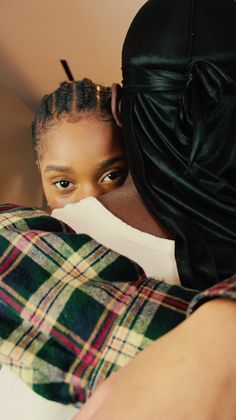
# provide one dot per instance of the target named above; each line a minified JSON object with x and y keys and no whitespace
{"x":71,"y":101}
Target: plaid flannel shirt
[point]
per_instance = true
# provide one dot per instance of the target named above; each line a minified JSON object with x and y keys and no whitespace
{"x":72,"y":311}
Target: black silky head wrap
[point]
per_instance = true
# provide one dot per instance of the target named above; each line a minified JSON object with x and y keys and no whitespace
{"x":179,"y":121}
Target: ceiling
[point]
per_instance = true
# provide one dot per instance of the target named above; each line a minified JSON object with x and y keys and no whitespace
{"x":36,"y":34}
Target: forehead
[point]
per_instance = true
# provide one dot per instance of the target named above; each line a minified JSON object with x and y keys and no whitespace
{"x":87,"y":138}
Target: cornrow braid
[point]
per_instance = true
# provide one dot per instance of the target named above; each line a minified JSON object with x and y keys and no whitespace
{"x":63,"y":99}
{"x":71,"y":101}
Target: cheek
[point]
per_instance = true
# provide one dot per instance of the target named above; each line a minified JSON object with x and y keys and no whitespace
{"x":50,"y":195}
{"x":55,"y":202}
{"x":111,"y":186}
{"x":50,"y":199}
{"x":45,"y":186}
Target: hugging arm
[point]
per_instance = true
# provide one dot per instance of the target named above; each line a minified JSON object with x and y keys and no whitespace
{"x":189,"y":373}
{"x":73,"y":312}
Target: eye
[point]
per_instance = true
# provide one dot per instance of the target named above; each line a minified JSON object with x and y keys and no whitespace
{"x":63,"y":184}
{"x":114,"y":175}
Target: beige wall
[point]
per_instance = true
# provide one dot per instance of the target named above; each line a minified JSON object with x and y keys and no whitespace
{"x":36,"y":34}
{"x":19,"y":179}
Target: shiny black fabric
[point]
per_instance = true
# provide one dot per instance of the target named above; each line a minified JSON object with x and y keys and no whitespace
{"x":179,"y":122}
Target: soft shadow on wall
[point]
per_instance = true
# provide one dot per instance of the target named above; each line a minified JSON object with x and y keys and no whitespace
{"x":19,"y":177}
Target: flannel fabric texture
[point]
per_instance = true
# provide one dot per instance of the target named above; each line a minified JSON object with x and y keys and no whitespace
{"x":72,"y":311}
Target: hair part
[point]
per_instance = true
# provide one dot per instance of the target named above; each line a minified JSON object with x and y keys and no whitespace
{"x":71,"y":102}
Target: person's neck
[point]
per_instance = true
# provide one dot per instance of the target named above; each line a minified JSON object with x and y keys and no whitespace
{"x":126,"y":204}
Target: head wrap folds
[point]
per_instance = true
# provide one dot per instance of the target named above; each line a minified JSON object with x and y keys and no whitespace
{"x":179,"y":121}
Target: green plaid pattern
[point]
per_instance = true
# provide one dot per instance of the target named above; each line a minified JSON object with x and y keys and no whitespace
{"x":72,"y":311}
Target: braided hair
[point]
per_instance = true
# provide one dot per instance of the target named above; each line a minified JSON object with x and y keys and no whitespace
{"x":71,"y":102}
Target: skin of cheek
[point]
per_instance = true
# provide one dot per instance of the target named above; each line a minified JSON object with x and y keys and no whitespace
{"x":53,"y":199}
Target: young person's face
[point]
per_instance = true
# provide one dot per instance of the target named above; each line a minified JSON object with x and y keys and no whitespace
{"x":81,"y":159}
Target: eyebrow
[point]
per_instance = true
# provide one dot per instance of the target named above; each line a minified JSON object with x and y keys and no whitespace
{"x":102,"y":165}
{"x":108,"y":162}
{"x":58,"y":168}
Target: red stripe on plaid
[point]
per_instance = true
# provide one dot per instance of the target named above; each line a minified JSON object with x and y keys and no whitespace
{"x":163,"y":298}
{"x":223,"y":286}
{"x":66,"y":342}
{"x":82,"y":366}
{"x":6,"y":298}
{"x":88,"y":358}
{"x":103,"y":333}
{"x":106,"y":328}
{"x":6,"y":207}
{"x":9,"y":260}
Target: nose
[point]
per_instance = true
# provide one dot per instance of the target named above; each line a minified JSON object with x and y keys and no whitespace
{"x":88,"y":190}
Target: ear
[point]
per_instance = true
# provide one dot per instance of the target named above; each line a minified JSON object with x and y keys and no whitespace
{"x":38,"y":164}
{"x":116,"y":102}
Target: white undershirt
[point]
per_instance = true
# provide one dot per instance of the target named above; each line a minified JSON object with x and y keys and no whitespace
{"x":19,"y":402}
{"x":155,"y":255}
